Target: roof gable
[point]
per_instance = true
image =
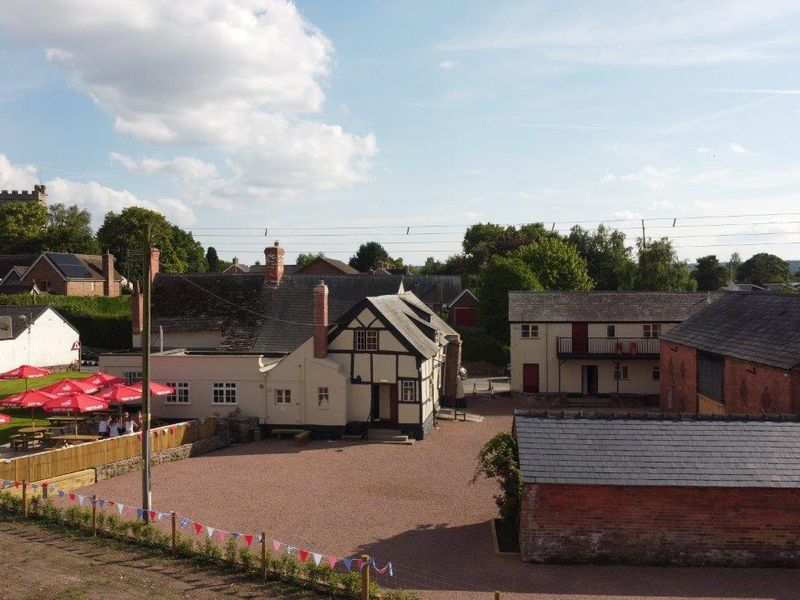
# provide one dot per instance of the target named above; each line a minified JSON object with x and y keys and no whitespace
{"x":762,"y":327}
{"x":604,"y":450}
{"x":340,"y":266}
{"x":604,"y":307}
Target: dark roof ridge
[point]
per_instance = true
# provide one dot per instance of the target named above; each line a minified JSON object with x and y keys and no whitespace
{"x":652,"y":416}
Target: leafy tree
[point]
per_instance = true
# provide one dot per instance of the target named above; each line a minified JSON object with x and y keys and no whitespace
{"x":22,"y":227}
{"x":212,"y":260}
{"x":763,"y":268}
{"x":123,"y":234}
{"x":499,"y":277}
{"x":709,"y":274}
{"x":499,"y":459}
{"x":368,"y":256}
{"x":556,"y":264}
{"x":486,"y":240}
{"x":69,"y":229}
{"x":659,"y":269}
{"x":431,"y":267}
{"x":735,"y":262}
{"x":304,"y":259}
{"x":608,"y":259}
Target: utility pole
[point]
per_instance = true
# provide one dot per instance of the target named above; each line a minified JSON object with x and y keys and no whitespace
{"x":147,"y":285}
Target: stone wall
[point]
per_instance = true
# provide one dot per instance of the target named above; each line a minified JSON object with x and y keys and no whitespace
{"x":660,"y":525}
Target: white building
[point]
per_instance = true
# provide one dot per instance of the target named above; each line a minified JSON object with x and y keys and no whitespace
{"x":36,"y":335}
{"x":592,"y":343}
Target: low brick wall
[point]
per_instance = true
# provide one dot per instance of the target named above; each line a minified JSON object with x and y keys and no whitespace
{"x":661,"y":525}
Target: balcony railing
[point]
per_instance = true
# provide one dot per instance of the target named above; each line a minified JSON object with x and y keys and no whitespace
{"x":626,"y":347}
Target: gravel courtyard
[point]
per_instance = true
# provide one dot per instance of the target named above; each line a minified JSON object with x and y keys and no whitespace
{"x":413,"y":505}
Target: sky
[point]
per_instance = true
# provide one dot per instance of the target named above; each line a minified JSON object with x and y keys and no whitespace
{"x":325,"y":124}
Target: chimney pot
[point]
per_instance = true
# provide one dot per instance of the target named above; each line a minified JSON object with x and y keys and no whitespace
{"x":155,"y":263}
{"x":273,"y":261}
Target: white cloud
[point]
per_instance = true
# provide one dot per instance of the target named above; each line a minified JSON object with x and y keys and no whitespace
{"x":703,"y":150}
{"x":16,"y":177}
{"x":448,"y":65}
{"x":738,"y":149}
{"x":185,"y":167}
{"x":649,"y":175}
{"x":627,"y":215}
{"x":238,"y":76}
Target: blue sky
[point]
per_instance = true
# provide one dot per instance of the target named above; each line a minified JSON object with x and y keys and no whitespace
{"x":263,"y":114}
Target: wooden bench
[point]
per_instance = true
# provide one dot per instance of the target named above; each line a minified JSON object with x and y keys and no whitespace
{"x":21,"y":442}
{"x":281,"y":432}
{"x":303,"y":437}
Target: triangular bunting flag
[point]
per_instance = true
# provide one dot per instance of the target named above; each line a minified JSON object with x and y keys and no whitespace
{"x":185,"y":522}
{"x":35,"y":486}
{"x":45,"y":484}
{"x":152,"y":514}
{"x":16,"y":484}
{"x":331,"y":561}
{"x":347,"y":562}
{"x":72,"y":497}
{"x":290,"y":549}
{"x":303,"y":555}
{"x":222,"y":535}
{"x":101,"y":502}
{"x":162,"y":515}
{"x":139,"y":513}
{"x":234,"y":535}
{"x":276,"y":545}
{"x":317,"y":558}
{"x":359,"y":564}
{"x":391,"y":572}
{"x":260,"y":538}
{"x":61,"y":493}
{"x":198,"y":528}
{"x":209,"y":530}
{"x":248,"y":539}
{"x":120,"y":508}
{"x":172,"y":430}
{"x":81,"y":499}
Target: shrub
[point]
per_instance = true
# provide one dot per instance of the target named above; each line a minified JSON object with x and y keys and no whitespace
{"x":477,"y":345}
{"x":499,"y":459}
{"x":210,"y":551}
{"x":247,"y":559}
{"x":184,"y":546}
{"x":231,"y":552}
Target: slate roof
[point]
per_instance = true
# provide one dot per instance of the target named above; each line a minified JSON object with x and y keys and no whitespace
{"x":762,"y":327}
{"x":417,"y":324}
{"x":17,"y":311}
{"x":291,"y":313}
{"x":339,"y":265}
{"x":9,"y":261}
{"x":432,"y":289}
{"x":605,"y":307}
{"x":604,"y":450}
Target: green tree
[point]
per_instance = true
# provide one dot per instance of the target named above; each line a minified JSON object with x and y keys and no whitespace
{"x":123,"y":234}
{"x":763,"y":268}
{"x":431,"y":267}
{"x":480,"y":244}
{"x":212,"y":260}
{"x":69,"y":229}
{"x":733,"y":265}
{"x":499,"y":277}
{"x":709,"y":274}
{"x":608,"y":259}
{"x":304,"y":259}
{"x":659,"y":269}
{"x":22,"y":227}
{"x":368,"y":256}
{"x":499,"y":459}
{"x":556,"y":264}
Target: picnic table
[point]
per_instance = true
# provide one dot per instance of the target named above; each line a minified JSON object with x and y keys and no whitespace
{"x":26,"y":437}
{"x":33,"y":430}
{"x":79,"y":438}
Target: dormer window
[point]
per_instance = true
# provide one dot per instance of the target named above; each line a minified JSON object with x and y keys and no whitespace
{"x":367,"y":340}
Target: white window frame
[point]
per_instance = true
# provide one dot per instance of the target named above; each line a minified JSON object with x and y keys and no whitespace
{"x":283,"y":397}
{"x":323,"y":398}
{"x":132,"y":377}
{"x":181,"y":394}
{"x":651,"y":330}
{"x":223,"y":393}
{"x":622,"y":373}
{"x":529,"y":331}
{"x":367,"y":340}
{"x":408,"y":391}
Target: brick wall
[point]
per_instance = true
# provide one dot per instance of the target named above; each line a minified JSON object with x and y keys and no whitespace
{"x":678,"y":376}
{"x":44,"y":271}
{"x":658,"y":525}
{"x":756,"y":389}
{"x":89,"y":288}
{"x":795,"y":376}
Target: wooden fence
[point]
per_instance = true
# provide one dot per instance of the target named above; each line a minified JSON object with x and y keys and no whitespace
{"x":46,"y":465}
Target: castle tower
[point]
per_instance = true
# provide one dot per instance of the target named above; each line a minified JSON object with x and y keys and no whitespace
{"x":39,"y":194}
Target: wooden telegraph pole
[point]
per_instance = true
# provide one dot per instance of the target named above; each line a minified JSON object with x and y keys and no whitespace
{"x":147,"y":285}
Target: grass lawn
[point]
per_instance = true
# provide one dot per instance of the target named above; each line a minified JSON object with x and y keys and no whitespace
{"x":21,"y":417}
{"x":12,"y":386}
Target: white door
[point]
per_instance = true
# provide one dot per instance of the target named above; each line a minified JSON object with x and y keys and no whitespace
{"x":284,"y":407}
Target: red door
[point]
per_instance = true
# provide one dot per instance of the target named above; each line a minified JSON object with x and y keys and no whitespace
{"x":530,"y":378}
{"x":393,"y":404}
{"x":580,"y":338}
{"x":465,"y":316}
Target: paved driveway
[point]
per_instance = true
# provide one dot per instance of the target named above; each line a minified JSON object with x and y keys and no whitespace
{"x":413,"y":505}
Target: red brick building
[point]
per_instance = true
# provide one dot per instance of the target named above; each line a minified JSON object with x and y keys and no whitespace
{"x":61,"y":273}
{"x":740,"y":355}
{"x":644,"y":490}
{"x":463,"y":309}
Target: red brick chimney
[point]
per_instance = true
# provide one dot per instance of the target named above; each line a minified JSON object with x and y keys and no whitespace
{"x":273,"y":256}
{"x":108,"y":274}
{"x":137,"y":310}
{"x":155,"y":263}
{"x":320,"y":320}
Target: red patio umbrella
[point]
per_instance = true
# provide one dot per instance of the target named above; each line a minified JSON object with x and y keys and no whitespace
{"x":119,"y":394}
{"x":75,"y":403}
{"x":4,"y":419}
{"x":24,"y":372}
{"x":156,"y":389}
{"x":70,"y":386}
{"x":103,"y":380}
{"x":29,"y":399}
